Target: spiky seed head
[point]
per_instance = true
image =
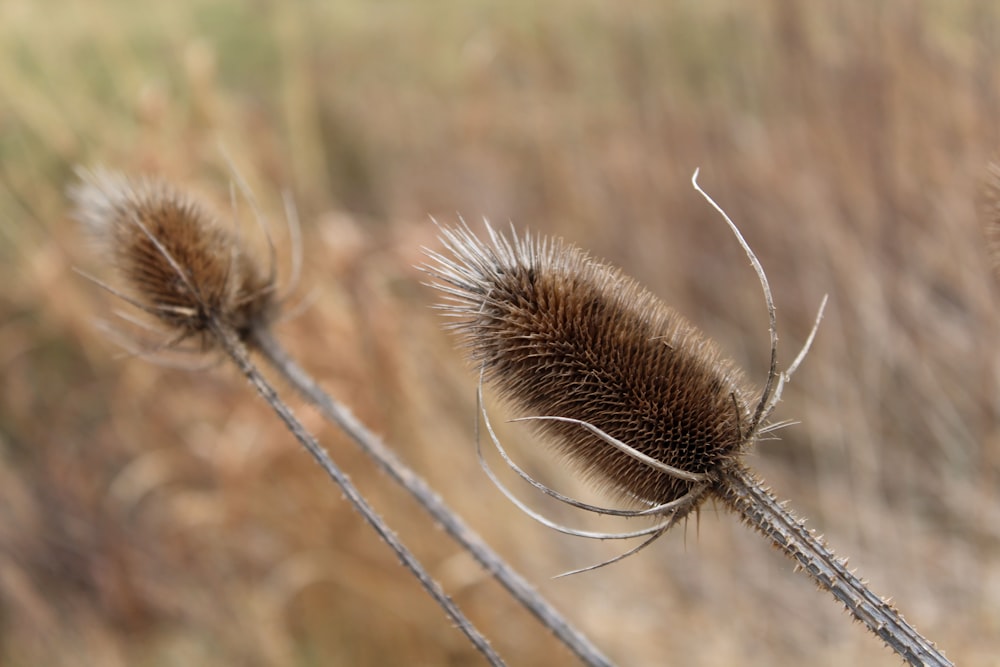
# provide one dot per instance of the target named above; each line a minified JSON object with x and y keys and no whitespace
{"x":562,"y":334}
{"x":178,"y":262}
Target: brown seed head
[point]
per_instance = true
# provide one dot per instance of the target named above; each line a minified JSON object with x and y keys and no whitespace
{"x":562,"y":334}
{"x":179,"y":263}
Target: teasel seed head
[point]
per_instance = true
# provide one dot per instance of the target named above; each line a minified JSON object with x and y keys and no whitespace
{"x":561,"y":334}
{"x":178,"y":262}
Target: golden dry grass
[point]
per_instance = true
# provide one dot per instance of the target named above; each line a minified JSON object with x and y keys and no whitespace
{"x":154,"y":517}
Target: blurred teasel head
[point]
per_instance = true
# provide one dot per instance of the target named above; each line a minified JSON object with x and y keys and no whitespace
{"x":178,"y":263}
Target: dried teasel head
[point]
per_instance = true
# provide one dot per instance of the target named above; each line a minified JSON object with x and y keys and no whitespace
{"x":564,"y":335}
{"x":628,"y":389}
{"x":178,"y":262}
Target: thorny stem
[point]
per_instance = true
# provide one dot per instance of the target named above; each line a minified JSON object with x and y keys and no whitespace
{"x":745,"y":494}
{"x":231,"y":344}
{"x":523,"y":592}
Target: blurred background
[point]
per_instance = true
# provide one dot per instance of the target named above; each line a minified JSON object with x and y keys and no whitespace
{"x":154,"y":516}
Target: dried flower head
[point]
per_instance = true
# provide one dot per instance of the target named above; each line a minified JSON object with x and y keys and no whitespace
{"x":631,"y":392}
{"x":179,"y":263}
{"x":562,"y":334}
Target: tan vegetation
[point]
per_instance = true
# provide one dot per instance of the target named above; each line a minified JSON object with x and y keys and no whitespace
{"x":153,"y":516}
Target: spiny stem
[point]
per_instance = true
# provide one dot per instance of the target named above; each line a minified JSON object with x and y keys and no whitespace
{"x":386,"y":459}
{"x":234,"y":348}
{"x":745,"y":494}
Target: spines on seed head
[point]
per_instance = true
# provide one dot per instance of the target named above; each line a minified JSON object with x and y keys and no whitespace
{"x":178,"y":262}
{"x":562,"y":334}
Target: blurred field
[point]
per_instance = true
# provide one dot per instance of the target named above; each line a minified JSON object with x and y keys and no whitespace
{"x":151,"y":516}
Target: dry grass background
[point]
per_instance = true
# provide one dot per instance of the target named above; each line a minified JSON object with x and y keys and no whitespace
{"x":151,"y":516}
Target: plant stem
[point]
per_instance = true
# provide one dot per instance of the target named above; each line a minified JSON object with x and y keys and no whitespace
{"x":229,"y":342}
{"x":386,"y":459}
{"x":744,"y":493}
